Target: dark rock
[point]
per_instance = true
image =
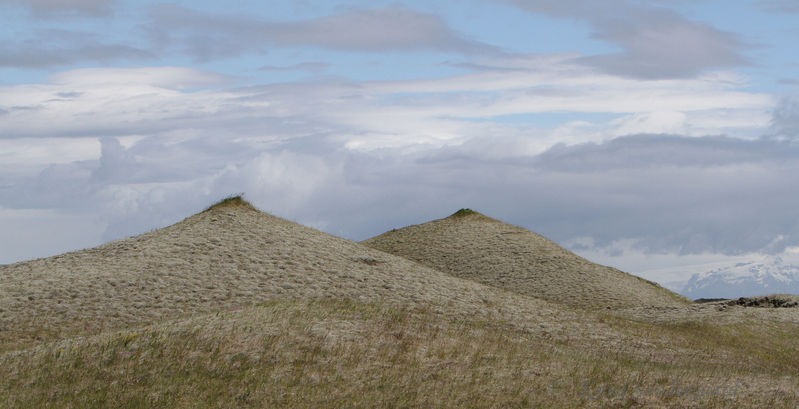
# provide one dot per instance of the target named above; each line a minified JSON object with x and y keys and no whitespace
{"x":764,"y":302}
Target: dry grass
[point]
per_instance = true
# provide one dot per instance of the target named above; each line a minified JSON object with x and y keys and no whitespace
{"x":470,"y":245}
{"x":352,"y":354}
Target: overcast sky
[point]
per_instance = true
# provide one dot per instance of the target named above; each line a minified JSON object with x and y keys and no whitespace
{"x":656,"y":136}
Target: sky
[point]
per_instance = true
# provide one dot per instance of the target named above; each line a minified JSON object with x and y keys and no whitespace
{"x":657,"y":136}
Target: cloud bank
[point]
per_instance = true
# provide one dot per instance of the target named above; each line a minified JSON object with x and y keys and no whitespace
{"x":152,"y":145}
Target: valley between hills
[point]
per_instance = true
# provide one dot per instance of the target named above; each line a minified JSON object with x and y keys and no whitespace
{"x":233,"y":307}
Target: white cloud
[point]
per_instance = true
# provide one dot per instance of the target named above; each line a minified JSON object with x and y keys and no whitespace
{"x":99,"y":102}
{"x":175,"y":78}
{"x":122,"y":102}
{"x":664,"y":122}
{"x":40,"y":152}
{"x":286,"y":180}
{"x":670,"y":267}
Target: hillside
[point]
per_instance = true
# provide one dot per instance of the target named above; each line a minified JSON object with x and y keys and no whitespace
{"x":473,"y":246}
{"x":339,"y":353}
{"x":233,"y":307}
{"x":225,"y":257}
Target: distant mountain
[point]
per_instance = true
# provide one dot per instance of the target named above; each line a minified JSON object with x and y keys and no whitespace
{"x":745,"y":279}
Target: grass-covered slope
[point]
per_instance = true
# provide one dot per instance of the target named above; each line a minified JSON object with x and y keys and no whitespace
{"x":227,"y":256}
{"x":473,"y":246}
{"x":333,"y":353}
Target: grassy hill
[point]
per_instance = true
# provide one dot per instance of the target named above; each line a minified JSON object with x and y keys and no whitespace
{"x":228,"y":256}
{"x":236,"y":308}
{"x":473,"y":246}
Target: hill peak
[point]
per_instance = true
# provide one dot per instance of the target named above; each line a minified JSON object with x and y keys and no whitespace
{"x":468,"y":214}
{"x":464,"y":213}
{"x":232,"y":202}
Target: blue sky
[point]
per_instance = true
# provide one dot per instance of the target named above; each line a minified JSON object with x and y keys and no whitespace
{"x":657,"y":136}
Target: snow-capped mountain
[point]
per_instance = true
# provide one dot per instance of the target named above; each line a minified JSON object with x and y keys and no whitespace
{"x":745,"y":279}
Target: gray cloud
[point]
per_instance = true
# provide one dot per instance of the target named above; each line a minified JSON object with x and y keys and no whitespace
{"x":665,"y":193}
{"x":205,"y":36}
{"x":785,"y":124}
{"x":53,"y":48}
{"x":780,"y":6}
{"x":60,"y":8}
{"x":656,"y":42}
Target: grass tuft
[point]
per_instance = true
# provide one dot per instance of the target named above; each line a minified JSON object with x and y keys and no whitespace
{"x":464,"y":212}
{"x":235,"y":201}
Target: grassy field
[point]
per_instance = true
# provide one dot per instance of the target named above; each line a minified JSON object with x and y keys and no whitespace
{"x":292,"y":353}
{"x":236,"y":308}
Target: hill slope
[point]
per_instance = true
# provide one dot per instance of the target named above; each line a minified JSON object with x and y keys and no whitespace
{"x":473,"y":246}
{"x":330,"y":353}
{"x":228,"y":256}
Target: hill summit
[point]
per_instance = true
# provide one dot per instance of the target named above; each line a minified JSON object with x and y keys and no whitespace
{"x":231,"y":202}
{"x":470,"y":245}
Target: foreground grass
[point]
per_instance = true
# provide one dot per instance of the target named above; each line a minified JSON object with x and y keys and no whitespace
{"x":350,"y":354}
